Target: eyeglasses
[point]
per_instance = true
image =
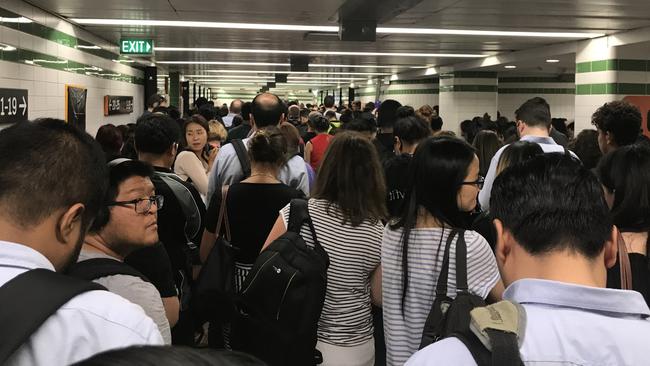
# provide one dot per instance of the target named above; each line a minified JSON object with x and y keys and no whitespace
{"x":478,"y":182}
{"x":142,"y":205}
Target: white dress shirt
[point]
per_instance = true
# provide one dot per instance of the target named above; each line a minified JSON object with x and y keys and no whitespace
{"x":90,"y":323}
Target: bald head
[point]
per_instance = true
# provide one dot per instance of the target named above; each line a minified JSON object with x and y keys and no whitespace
{"x":235,"y":106}
{"x":267,"y":110}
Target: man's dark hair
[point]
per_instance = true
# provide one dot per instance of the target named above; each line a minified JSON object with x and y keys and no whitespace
{"x":47,"y":166}
{"x":319,"y":123}
{"x":436,"y":123}
{"x":411,"y":129}
{"x":208,"y":112}
{"x":586,"y":147}
{"x":329,"y":101}
{"x":155,"y":100}
{"x":330,"y":114}
{"x":535,"y":112}
{"x":405,"y":111}
{"x":246,"y":110}
{"x":156,"y":133}
{"x":235,"y":106}
{"x":118,"y":173}
{"x":621,"y":119}
{"x":369,"y":107}
{"x":552,"y":202}
{"x":267,"y":114}
{"x":365,"y":123}
{"x":387,"y":113}
{"x":200,"y":101}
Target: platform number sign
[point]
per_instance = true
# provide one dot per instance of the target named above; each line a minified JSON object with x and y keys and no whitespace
{"x":13,"y":105}
{"x":130,"y":46}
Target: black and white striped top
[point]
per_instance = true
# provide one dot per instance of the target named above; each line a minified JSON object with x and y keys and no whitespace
{"x":425,"y":251}
{"x":354,"y":254}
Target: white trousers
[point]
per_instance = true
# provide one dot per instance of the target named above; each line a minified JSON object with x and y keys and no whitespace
{"x":361,"y":355}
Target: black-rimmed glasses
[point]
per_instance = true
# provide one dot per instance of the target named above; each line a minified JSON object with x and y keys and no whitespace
{"x":478,"y":182}
{"x":142,"y":205}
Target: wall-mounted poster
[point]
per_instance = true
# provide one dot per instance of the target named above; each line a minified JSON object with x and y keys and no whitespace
{"x":75,"y":101}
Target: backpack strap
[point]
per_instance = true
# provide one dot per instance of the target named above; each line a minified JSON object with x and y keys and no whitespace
{"x":242,"y":156}
{"x":29,"y":299}
{"x":188,"y":206}
{"x":298,"y":215}
{"x":94,"y":268}
{"x":461,"y":263}
{"x":495,"y":334}
{"x":441,"y":286}
{"x":223,"y":213}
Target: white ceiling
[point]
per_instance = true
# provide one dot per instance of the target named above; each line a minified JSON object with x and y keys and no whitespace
{"x":599,"y":16}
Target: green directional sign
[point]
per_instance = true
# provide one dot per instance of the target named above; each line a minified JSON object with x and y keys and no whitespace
{"x":131,"y":46}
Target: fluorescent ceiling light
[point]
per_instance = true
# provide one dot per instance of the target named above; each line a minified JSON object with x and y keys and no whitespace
{"x":296,"y":72}
{"x":93,"y":47}
{"x":394,"y":77}
{"x":466,"y":32}
{"x":327,"y":29}
{"x":6,"y":47}
{"x":510,"y":67}
{"x":291,"y":77}
{"x":552,"y":61}
{"x":236,"y":63}
{"x":431,"y":71}
{"x":15,"y":20}
{"x":325,"y":53}
{"x":124,"y":61}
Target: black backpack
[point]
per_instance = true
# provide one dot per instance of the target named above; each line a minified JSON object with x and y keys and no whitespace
{"x":451,"y":317}
{"x":29,"y":299}
{"x":94,"y":268}
{"x":242,"y":156}
{"x":282,"y":297}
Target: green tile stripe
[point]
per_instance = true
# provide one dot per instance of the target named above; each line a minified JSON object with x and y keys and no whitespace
{"x":470,"y":75}
{"x":54,"y":35}
{"x":537,"y":90}
{"x":421,"y":81}
{"x":566,"y":78}
{"x":613,"y":65}
{"x":469,"y":88}
{"x":56,"y":63}
{"x":613,"y":88}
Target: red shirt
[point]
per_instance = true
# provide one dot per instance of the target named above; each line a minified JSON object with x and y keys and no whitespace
{"x":319,"y":146}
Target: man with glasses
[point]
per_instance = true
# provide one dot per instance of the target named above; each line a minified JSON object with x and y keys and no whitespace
{"x":127,"y":221}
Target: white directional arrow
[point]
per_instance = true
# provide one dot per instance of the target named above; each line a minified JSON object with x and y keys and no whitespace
{"x":148,"y":47}
{"x":23,"y":105}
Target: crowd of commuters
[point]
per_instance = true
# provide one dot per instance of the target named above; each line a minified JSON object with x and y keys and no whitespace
{"x":126,"y":224}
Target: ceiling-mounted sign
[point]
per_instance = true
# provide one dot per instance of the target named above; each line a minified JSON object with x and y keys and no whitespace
{"x":114,"y":105}
{"x":13,"y":105}
{"x":134,"y":46}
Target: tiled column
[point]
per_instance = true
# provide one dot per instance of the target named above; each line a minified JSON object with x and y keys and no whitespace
{"x":465,"y":95}
{"x":174,"y":89}
{"x":558,"y":91}
{"x":605,"y":74}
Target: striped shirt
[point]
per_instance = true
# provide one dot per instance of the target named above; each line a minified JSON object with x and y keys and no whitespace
{"x":426,"y":247}
{"x":354,"y":253}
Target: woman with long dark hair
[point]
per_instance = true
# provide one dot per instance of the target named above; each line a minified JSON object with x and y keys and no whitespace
{"x":625,"y":175}
{"x":346,"y":207}
{"x":444,"y":183}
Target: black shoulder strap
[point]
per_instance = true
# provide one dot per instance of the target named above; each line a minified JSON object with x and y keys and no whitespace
{"x":242,"y":155}
{"x":505,"y":349}
{"x":461,"y":263}
{"x":441,"y":286}
{"x":94,"y":268}
{"x":29,"y":299}
{"x":298,"y":215}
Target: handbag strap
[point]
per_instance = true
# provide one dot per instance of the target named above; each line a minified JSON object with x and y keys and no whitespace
{"x":461,"y":263}
{"x":223,"y":213}
{"x":624,"y":264}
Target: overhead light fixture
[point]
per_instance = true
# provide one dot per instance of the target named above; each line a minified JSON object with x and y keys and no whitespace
{"x":6,"y":47}
{"x":325,"y":29}
{"x":93,"y":47}
{"x":297,"y":72}
{"x":15,"y":20}
{"x":323,"y":53}
{"x":552,"y":61}
{"x":510,"y":67}
{"x":369,"y":82}
{"x":394,"y":77}
{"x":124,"y":61}
{"x":237,"y":63}
{"x":431,"y":71}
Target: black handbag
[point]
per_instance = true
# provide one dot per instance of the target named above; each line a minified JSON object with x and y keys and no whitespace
{"x":215,"y":286}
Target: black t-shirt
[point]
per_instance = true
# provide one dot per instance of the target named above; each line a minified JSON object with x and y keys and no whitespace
{"x":171,"y":227}
{"x":640,"y":266}
{"x":153,"y":262}
{"x":384,"y":144}
{"x":396,"y":173}
{"x":252,"y":209}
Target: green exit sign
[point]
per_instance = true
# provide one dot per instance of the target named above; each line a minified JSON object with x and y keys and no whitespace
{"x":129,"y":46}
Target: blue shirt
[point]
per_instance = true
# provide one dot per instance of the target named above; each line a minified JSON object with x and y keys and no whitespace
{"x":546,"y":143}
{"x":566,"y":324}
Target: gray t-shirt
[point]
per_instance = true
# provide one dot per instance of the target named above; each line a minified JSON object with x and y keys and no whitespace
{"x":136,"y":291}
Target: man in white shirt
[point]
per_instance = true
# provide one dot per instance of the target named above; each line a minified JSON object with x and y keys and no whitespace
{"x":267,"y":110}
{"x":52,"y":180}
{"x":235,"y":110}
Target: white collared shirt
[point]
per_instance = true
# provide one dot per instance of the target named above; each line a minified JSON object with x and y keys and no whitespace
{"x":90,"y":323}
